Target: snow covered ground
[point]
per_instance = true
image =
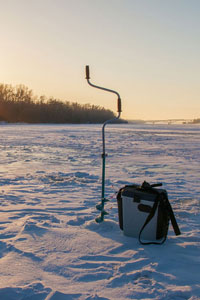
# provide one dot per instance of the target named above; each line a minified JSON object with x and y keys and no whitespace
{"x":50,"y":181}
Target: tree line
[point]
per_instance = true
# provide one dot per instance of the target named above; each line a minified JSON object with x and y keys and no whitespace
{"x":19,"y":104}
{"x":196,"y":121}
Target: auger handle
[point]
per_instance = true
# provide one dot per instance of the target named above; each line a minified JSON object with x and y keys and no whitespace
{"x":119,"y":105}
{"x":87,"y":70}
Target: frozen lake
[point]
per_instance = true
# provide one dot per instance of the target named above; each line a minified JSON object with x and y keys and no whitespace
{"x":50,"y":179}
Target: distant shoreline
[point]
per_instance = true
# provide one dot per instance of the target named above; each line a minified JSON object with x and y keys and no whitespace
{"x":132,"y":122}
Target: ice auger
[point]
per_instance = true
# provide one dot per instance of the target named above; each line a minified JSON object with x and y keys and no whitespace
{"x":100,"y":206}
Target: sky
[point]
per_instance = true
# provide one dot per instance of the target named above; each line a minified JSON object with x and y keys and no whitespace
{"x":146,"y":50}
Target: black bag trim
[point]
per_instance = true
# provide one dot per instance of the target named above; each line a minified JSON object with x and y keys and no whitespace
{"x":120,"y":208}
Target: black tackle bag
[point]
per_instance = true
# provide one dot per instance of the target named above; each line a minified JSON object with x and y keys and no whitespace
{"x":144,"y":212}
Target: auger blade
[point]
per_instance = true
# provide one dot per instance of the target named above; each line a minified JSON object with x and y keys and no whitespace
{"x":99,"y":206}
{"x":101,"y":217}
{"x":105,"y":200}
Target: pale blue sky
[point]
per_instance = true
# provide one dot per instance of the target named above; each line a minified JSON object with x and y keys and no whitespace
{"x":148,"y":50}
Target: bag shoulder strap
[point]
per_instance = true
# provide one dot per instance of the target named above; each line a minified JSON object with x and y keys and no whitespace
{"x":161,"y":197}
{"x":172,"y":218}
{"x":148,"y":219}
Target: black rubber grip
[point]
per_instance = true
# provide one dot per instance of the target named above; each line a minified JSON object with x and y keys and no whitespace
{"x":119,"y":105}
{"x":87,"y":70}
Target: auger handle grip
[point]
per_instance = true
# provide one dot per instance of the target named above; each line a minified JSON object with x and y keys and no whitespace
{"x":87,"y":70}
{"x":119,"y":105}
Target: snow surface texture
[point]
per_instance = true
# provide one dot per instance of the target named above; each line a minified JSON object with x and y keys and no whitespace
{"x":50,"y":181}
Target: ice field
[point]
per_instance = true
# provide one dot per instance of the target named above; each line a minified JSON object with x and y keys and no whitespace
{"x":50,"y":182}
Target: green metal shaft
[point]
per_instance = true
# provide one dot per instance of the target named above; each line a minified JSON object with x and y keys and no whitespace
{"x":103,"y":177}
